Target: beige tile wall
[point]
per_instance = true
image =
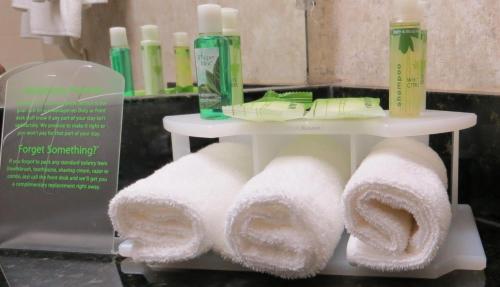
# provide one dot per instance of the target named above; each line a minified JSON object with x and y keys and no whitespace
{"x":273,"y":36}
{"x":14,"y":50}
{"x":348,"y":44}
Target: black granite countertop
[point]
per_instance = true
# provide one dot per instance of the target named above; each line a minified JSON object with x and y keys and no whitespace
{"x":28,"y":268}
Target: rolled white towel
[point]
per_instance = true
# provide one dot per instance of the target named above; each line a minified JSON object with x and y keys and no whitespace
{"x":172,"y":215}
{"x":287,"y":220}
{"x":396,"y":207}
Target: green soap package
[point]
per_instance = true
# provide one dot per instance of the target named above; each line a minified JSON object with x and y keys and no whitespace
{"x":266,"y":111}
{"x":273,"y":106}
{"x":305,"y":98}
{"x":345,"y":108}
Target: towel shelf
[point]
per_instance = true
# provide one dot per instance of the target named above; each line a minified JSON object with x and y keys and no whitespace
{"x":463,"y":250}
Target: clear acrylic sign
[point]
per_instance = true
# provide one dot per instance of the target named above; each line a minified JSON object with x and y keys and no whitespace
{"x":59,"y":160}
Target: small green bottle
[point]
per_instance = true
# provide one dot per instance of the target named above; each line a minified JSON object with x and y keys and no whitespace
{"x":152,"y":64}
{"x":183,"y":74}
{"x":119,"y":56}
{"x":231,"y":32}
{"x":212,"y":63}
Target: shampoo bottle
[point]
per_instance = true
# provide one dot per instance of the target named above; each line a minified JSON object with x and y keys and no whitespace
{"x":231,"y":32}
{"x":212,"y":63}
{"x":406,"y":86}
{"x":152,"y":66}
{"x":119,"y":56}
{"x":183,"y":75}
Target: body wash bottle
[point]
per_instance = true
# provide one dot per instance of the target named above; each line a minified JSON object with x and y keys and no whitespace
{"x":231,"y":32}
{"x":119,"y":56}
{"x":183,"y":74}
{"x":212,"y":63}
{"x":152,"y":66}
{"x":405,"y":89}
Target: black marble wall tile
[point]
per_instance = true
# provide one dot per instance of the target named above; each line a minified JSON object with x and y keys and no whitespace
{"x":146,"y":145}
{"x":479,"y":151}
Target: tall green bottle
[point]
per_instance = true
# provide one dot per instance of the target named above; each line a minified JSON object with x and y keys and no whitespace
{"x":406,"y":89}
{"x":231,"y":32}
{"x":213,"y":70}
{"x":119,"y":56}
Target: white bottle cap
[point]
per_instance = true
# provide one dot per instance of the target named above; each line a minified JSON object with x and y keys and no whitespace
{"x":118,"y":37}
{"x":150,"y":32}
{"x":406,"y":10}
{"x":181,"y":39}
{"x":230,"y":21}
{"x":209,"y":19}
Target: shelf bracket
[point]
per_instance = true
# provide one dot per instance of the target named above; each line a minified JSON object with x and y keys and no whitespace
{"x":454,"y":168}
{"x":180,"y":146}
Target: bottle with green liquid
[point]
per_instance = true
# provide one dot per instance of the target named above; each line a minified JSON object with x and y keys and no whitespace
{"x":152,"y":64}
{"x":183,"y":74}
{"x":119,"y":56}
{"x":423,"y":5}
{"x":212,"y":63}
{"x":231,"y":32}
{"x":406,"y":87}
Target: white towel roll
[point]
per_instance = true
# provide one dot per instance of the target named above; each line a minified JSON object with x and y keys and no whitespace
{"x":287,"y":221}
{"x":396,"y":207}
{"x":173,"y":214}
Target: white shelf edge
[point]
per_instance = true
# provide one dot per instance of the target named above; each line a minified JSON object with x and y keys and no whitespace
{"x":431,"y":122}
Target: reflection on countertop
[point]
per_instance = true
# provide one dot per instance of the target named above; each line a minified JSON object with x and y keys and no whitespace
{"x":26,"y":268}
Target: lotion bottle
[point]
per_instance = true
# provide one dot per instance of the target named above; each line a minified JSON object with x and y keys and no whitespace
{"x":152,"y":65}
{"x":231,"y":32}
{"x":183,"y":74}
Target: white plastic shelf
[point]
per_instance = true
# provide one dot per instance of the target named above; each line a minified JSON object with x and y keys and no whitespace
{"x":463,"y":249}
{"x":431,"y":122}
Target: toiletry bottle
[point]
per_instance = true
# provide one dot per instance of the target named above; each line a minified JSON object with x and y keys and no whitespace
{"x":212,"y":63}
{"x":152,"y":66}
{"x":405,"y":89}
{"x":231,"y":32}
{"x":183,"y":75}
{"x":119,"y":56}
{"x":422,"y":6}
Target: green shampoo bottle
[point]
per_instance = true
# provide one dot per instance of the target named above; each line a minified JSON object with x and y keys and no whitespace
{"x":183,"y":74}
{"x":231,"y":32}
{"x":213,"y":72}
{"x":406,"y":87}
{"x":152,"y":65}
{"x":119,"y":56}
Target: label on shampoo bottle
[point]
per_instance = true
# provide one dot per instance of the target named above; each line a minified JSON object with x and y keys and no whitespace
{"x":406,"y":81}
{"x":207,"y":72}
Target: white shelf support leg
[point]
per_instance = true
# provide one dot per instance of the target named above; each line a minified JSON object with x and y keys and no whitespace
{"x":354,"y":153}
{"x":180,"y":146}
{"x":454,"y":168}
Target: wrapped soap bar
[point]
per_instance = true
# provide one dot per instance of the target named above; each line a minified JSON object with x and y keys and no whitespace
{"x":266,"y":111}
{"x":345,"y":108}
